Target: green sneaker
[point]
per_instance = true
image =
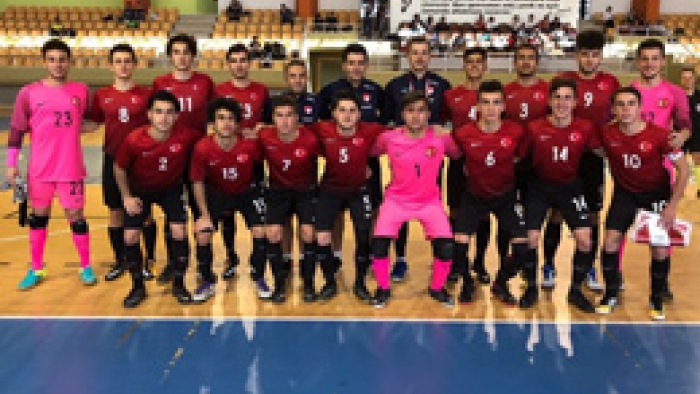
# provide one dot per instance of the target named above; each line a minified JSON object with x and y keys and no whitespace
{"x":87,"y":276}
{"x":32,"y":279}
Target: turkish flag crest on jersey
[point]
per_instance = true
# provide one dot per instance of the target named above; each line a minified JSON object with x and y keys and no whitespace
{"x":430,"y":152}
{"x":575,"y":136}
{"x":175,"y":148}
{"x":506,"y":142}
{"x":76,"y":101}
{"x":645,"y":146}
{"x":602,"y":86}
{"x":307,"y":109}
{"x":429,"y":89}
{"x":357,"y":141}
{"x":300,"y":152}
{"x":538,"y":96}
{"x":242,"y":158}
{"x":366,"y":97}
{"x":663,"y":103}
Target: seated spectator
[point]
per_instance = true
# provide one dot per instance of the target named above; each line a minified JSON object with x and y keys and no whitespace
{"x":255,"y":48}
{"x":331,"y":22}
{"x":318,"y":22}
{"x":286,"y":15}
{"x":417,"y":23}
{"x":442,"y":25}
{"x":609,"y":18}
{"x":491,"y":24}
{"x":56,"y":28}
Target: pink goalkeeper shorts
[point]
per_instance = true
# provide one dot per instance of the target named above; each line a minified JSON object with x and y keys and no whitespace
{"x":71,"y":195}
{"x":431,"y":216}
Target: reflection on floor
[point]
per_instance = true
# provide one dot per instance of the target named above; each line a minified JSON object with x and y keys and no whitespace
{"x":286,"y":356}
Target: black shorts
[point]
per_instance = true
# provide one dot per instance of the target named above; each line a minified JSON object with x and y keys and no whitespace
{"x":249,"y":204}
{"x":692,"y":145}
{"x":281,"y":204}
{"x":567,"y":198}
{"x":523,"y":172}
{"x":506,"y":208}
{"x":331,"y":203}
{"x":374,"y":183}
{"x":111,"y":196}
{"x":625,"y":204}
{"x":456,"y":183}
{"x":591,"y":171}
{"x":171,"y":201}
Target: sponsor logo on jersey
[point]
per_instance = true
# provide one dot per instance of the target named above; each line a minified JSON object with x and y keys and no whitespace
{"x":645,"y":146}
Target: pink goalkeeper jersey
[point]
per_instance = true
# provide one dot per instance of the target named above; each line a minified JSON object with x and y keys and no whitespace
{"x":52,"y":116}
{"x":664,"y":105}
{"x":414,"y":164}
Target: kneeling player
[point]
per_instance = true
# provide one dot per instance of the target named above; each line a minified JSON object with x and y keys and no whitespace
{"x":490,"y":146}
{"x":415,"y":154}
{"x":635,"y":151}
{"x":221,"y":172}
{"x":149,"y":169}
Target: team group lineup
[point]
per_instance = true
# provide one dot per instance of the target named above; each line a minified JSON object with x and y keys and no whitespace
{"x":532,"y":153}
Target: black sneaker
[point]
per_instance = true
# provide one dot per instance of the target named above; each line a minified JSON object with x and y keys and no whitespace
{"x":182,"y":295}
{"x":360,"y":291}
{"x":147,"y":270}
{"x":337,"y":265}
{"x":452,"y":277}
{"x":381,"y":298}
{"x":166,"y":276}
{"x":442,"y":296}
{"x":466,"y":295}
{"x":529,"y":298}
{"x":279,"y":296}
{"x":230,"y":271}
{"x":607,"y":304}
{"x":503,"y":294}
{"x":115,"y":272}
{"x":482,"y":276}
{"x":666,"y":294}
{"x":135,"y":297}
{"x":309,"y":292}
{"x":577,"y":299}
{"x":328,"y":291}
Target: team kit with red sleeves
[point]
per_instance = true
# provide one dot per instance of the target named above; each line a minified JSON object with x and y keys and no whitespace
{"x":562,"y":172}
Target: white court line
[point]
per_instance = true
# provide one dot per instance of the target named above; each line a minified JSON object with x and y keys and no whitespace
{"x":57,"y":232}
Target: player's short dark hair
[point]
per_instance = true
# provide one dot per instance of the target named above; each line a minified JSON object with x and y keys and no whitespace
{"x":294,"y":63}
{"x":558,"y":83}
{"x":688,"y":68}
{"x":163,"y":95}
{"x":55,"y":45}
{"x":237,"y":48}
{"x":224,"y":103}
{"x":475,"y":51}
{"x":416,"y":40}
{"x":413,"y":97}
{"x":526,"y":47}
{"x":590,"y":39}
{"x":123,"y":47}
{"x":344,"y":95}
{"x":651,"y":43}
{"x":626,"y":89}
{"x":182,"y":39}
{"x":354,"y":48}
{"x":490,"y":86}
{"x":284,"y":100}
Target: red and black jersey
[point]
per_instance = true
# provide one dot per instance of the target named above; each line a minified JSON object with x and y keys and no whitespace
{"x":490,"y":157}
{"x":593,"y":102}
{"x":252,"y":100}
{"x":636,"y":161}
{"x":227,"y":171}
{"x":291,"y":165}
{"x":346,"y":156}
{"x":156,"y":165}
{"x":556,"y":152}
{"x":193,"y":94}
{"x":526,"y":103}
{"x":120,"y":111}
{"x":460,"y":106}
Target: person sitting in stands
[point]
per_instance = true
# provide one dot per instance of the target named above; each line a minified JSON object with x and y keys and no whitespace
{"x":286,"y":15}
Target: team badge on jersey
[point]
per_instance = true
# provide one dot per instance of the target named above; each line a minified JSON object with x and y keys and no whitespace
{"x":358,"y":141}
{"x":429,"y":89}
{"x":645,"y":146}
{"x":134,"y":100}
{"x":308,"y":109}
{"x":697,"y":108}
{"x":366,"y":97}
{"x":663,"y":103}
{"x":506,"y":142}
{"x":242,"y":158}
{"x":300,"y":152}
{"x":76,"y":101}
{"x":430,"y":152}
{"x":174,"y":148}
{"x":538,"y":96}
{"x":602,"y":86}
{"x":575,"y":136}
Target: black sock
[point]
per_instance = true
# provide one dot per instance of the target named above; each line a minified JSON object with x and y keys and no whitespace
{"x":133,"y":260}
{"x":503,"y":243}
{"x":581,"y":264}
{"x":149,"y":240}
{"x":530,"y":267}
{"x":595,"y":241}
{"x":658,"y":271}
{"x":483,"y":236}
{"x":258,"y":258}
{"x":509,"y":267}
{"x":550,"y":242}
{"x":116,"y":239}
{"x":401,"y":241}
{"x":308,"y":263}
{"x":611,"y":272}
{"x":274,"y":254}
{"x":228,"y":233}
{"x":205,"y":259}
{"x":324,"y":254}
{"x":168,"y":244}
{"x":181,"y":258}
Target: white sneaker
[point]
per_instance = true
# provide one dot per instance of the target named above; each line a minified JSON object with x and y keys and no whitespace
{"x":592,"y":282}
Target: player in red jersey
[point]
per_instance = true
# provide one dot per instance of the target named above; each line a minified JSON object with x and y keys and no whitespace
{"x":193,"y":91}
{"x":222,"y":175}
{"x":556,"y":144}
{"x":122,"y":108}
{"x":150,"y":168}
{"x":594,"y":91}
{"x":460,"y":107}
{"x":635,"y":150}
{"x":490,"y":148}
{"x":346,"y":143}
{"x":253,"y":98}
{"x":290,"y":152}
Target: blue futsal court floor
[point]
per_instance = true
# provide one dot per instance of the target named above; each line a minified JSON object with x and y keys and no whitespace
{"x":107,"y":356}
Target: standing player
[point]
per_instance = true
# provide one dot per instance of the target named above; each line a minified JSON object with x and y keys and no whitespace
{"x":150,"y":169}
{"x":418,"y":78}
{"x":122,"y":108}
{"x":193,"y":91}
{"x":346,"y":144}
{"x":355,"y":61}
{"x":415,"y":157}
{"x":461,"y":107}
{"x":490,"y":147}
{"x":635,"y":150}
{"x":51,"y":111}
{"x":692,"y":146}
{"x":252,"y":97}
{"x":594,"y":91}
{"x":556,"y":144}
{"x":291,"y":154}
{"x":222,"y":175}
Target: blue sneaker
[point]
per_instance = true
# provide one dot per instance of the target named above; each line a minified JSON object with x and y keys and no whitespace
{"x":32,"y":279}
{"x":87,"y":276}
{"x":548,"y":275}
{"x":398,"y":272}
{"x":592,"y":282}
{"x":205,"y":291}
{"x":263,"y":289}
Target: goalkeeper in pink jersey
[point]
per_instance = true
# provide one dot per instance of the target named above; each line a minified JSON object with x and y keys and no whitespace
{"x":51,"y":111}
{"x":415,"y":154}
